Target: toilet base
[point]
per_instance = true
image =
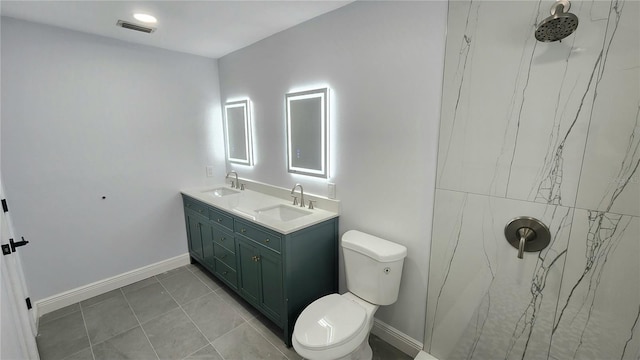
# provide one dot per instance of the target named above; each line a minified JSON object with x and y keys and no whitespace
{"x":363,"y":352}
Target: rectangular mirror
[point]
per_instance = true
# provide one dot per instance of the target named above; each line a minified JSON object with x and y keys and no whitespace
{"x":307,"y":132}
{"x":238,"y":132}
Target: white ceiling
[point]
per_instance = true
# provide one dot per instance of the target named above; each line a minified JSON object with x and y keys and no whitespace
{"x":207,"y":28}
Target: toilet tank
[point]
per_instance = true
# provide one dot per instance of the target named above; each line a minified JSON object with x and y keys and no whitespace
{"x":373,"y":267}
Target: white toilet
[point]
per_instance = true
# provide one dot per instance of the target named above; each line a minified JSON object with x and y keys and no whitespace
{"x":337,"y":326}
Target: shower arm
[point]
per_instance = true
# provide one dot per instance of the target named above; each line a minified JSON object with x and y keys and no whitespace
{"x":562,"y":5}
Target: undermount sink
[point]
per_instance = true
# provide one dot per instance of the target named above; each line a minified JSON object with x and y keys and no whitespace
{"x":283,"y":212}
{"x":220,"y":192}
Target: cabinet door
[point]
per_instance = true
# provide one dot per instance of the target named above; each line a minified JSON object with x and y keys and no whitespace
{"x":271,"y":279}
{"x":194,"y":224}
{"x":206,"y":233}
{"x":249,"y":275}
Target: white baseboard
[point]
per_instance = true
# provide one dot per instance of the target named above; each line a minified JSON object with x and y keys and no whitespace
{"x":85,"y":292}
{"x":396,"y":338}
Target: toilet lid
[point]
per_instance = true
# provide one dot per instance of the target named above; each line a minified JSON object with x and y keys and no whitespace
{"x":328,"y":322}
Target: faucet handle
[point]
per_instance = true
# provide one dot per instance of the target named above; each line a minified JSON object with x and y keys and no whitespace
{"x":233,"y":184}
{"x":295,"y":200}
{"x":311,"y":207}
{"x":241,"y":186}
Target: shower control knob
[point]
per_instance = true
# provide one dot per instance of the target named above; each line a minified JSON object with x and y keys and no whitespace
{"x":527,"y":234}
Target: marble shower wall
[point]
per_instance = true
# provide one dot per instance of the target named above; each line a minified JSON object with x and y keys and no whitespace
{"x":549,"y":130}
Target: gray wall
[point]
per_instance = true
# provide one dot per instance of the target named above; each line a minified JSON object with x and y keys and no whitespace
{"x":383,"y":62}
{"x":85,"y":117}
{"x":548,"y":130}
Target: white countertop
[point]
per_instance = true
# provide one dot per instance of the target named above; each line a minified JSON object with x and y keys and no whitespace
{"x":245,"y":203}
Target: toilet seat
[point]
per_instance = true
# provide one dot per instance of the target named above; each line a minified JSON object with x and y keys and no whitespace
{"x":332,"y":323}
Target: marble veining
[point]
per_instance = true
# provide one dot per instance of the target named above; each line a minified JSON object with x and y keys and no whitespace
{"x":546,"y":261}
{"x":464,"y":53}
{"x":604,"y":235}
{"x":455,"y":241}
{"x":472,"y":266}
{"x":633,"y":330}
{"x":549,"y":130}
{"x":628,"y":171}
{"x":549,"y":189}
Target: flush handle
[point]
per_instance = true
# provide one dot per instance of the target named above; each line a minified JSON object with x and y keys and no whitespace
{"x":527,"y":234}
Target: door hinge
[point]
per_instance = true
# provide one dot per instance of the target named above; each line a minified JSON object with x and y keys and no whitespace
{"x":12,"y":245}
{"x":28,"y":301}
{"x":5,"y":208}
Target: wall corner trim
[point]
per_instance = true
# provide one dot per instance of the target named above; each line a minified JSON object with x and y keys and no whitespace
{"x":88,"y":291}
{"x":396,"y":338}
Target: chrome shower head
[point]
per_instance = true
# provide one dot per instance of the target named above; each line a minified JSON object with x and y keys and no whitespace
{"x":559,"y":25}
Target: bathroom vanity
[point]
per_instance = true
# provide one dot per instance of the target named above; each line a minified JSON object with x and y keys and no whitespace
{"x":276,"y":256}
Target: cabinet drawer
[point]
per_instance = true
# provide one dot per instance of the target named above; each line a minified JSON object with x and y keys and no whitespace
{"x":259,"y":235}
{"x":221,"y":218}
{"x":226,"y":273}
{"x":198,"y":207}
{"x":225,"y":256}
{"x":225,"y":240}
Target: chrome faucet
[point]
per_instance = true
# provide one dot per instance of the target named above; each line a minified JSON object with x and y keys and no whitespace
{"x":301,"y":193}
{"x":237,"y":184}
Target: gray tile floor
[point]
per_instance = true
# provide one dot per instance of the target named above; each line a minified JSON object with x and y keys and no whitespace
{"x":181,"y":314}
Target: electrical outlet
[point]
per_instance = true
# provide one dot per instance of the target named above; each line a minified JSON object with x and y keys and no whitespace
{"x":331,"y":191}
{"x":209,"y":171}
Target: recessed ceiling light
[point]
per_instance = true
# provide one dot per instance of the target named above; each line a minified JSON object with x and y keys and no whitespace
{"x":146,"y":18}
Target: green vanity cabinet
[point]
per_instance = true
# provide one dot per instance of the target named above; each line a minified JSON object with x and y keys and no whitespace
{"x":249,"y":283}
{"x":224,"y":257}
{"x":279,"y":274}
{"x":260,"y":279}
{"x":198,"y":230}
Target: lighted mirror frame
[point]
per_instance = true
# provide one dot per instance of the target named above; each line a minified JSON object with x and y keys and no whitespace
{"x":307,"y":132}
{"x":237,"y":125}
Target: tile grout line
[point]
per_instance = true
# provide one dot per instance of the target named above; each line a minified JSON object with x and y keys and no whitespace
{"x":261,"y":334}
{"x":220,"y":288}
{"x":189,"y":317}
{"x":186,"y":357}
{"x":215,"y":292}
{"x":248,"y":321}
{"x":139,"y":323}
{"x":46,"y":321}
{"x":86,"y":330}
{"x":234,"y":307}
{"x":202,"y":271}
{"x":202,"y":281}
{"x":123,"y":331}
{"x":574,"y":206}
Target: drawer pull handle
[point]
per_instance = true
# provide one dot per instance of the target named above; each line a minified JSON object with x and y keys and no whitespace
{"x":225,"y":272}
{"x":219,"y":220}
{"x":223,"y":239}
{"x":255,"y":258}
{"x":243,"y":230}
{"x":200,"y":211}
{"x":266,"y":241}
